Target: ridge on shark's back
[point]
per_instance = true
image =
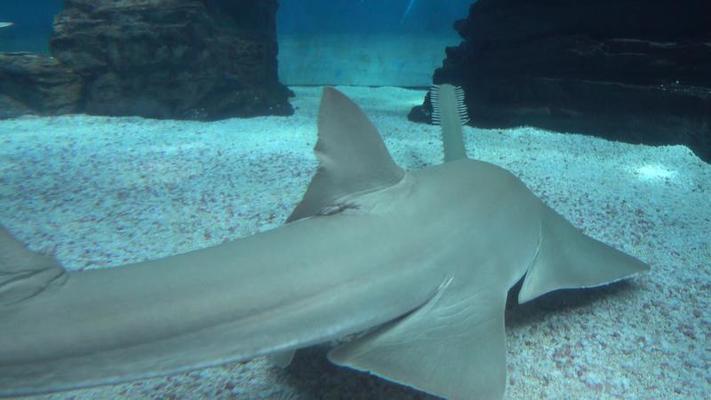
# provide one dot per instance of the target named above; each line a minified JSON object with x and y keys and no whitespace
{"x":420,"y":260}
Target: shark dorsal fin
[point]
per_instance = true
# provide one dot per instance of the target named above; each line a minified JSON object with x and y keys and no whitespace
{"x":352,"y":156}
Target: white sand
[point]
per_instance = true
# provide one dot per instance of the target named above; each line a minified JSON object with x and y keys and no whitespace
{"x":108,"y":191}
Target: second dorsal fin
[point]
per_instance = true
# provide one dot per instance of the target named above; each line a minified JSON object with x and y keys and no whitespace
{"x":352,"y":156}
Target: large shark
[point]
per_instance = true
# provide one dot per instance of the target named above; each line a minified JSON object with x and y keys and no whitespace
{"x":413,"y":267}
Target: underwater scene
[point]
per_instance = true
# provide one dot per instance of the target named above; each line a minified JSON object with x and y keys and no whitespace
{"x":332,"y":199}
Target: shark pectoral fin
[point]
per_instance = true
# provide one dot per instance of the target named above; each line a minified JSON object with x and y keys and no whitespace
{"x":23,"y":273}
{"x":569,"y":259}
{"x":282,"y":359}
{"x":453,"y":346}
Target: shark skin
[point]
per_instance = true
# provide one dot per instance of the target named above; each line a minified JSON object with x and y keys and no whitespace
{"x":418,"y":263}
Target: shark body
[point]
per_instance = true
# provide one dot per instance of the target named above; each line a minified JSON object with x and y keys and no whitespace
{"x":6,"y":24}
{"x":418,"y":263}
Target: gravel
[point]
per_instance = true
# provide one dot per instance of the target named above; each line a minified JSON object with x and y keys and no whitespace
{"x":99,"y":192}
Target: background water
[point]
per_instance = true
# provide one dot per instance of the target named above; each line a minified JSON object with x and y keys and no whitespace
{"x":365,"y":42}
{"x":358,"y":42}
{"x":33,"y":24}
{"x":370,"y":16}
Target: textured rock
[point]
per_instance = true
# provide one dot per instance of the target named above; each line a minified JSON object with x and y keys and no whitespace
{"x":36,"y":84}
{"x":194,"y":59}
{"x":631,"y":70}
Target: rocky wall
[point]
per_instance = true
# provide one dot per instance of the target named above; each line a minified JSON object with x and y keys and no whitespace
{"x":630,"y":70}
{"x":31,"y":83}
{"x":182,"y":59}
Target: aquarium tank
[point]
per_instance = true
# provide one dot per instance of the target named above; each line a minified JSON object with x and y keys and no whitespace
{"x":363,"y":199}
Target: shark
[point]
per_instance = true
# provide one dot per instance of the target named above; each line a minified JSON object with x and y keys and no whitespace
{"x":405,"y":272}
{"x":6,"y":24}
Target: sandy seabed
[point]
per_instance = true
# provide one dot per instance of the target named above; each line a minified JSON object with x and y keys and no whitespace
{"x":101,"y":192}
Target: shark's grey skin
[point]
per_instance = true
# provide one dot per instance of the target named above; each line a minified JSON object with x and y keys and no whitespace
{"x":420,"y":260}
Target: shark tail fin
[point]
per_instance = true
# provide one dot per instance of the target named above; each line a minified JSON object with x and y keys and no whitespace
{"x":569,"y":259}
{"x":352,"y":157}
{"x":450,"y":112}
{"x":23,"y":273}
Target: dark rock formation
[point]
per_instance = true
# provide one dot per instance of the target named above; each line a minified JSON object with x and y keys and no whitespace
{"x":631,"y":70}
{"x":183,"y":59}
{"x":36,"y":84}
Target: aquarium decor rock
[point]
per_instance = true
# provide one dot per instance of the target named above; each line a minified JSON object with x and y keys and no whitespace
{"x":182,"y":59}
{"x":632,"y":70}
{"x":32,"y":83}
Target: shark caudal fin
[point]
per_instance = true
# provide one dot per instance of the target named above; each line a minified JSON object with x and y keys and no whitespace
{"x":23,"y":273}
{"x":352,"y":156}
{"x":568,"y":259}
{"x":449,"y":111}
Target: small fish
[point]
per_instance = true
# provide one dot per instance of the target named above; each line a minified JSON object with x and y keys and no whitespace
{"x":6,"y":24}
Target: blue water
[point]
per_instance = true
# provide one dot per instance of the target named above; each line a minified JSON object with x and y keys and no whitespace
{"x":365,"y":42}
{"x":370,"y":16}
{"x":33,"y":24}
{"x":33,"y":18}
